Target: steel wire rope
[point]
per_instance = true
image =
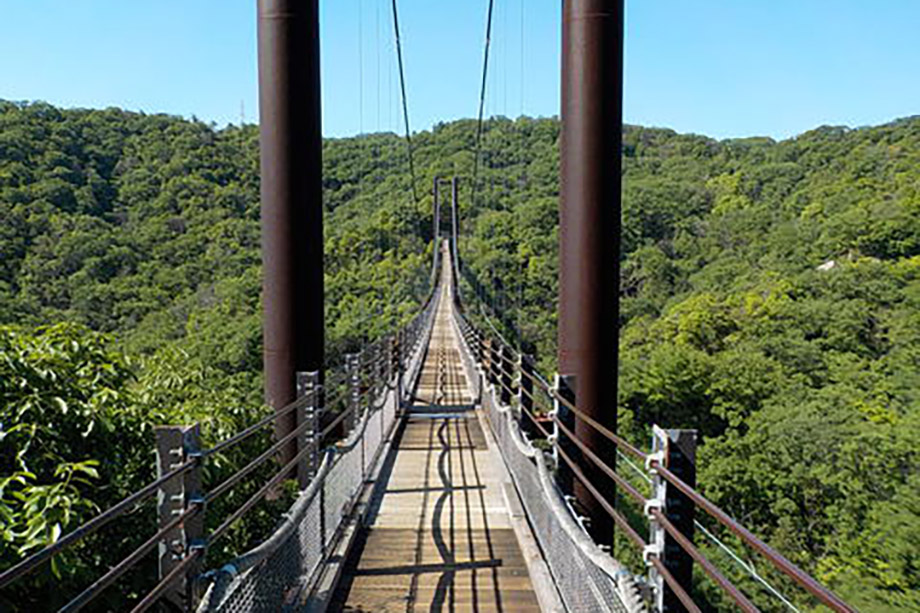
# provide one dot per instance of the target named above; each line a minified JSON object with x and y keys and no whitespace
{"x":826,"y":596}
{"x":360,"y":67}
{"x":780,"y":562}
{"x":244,"y":434}
{"x":238,"y":476}
{"x":745,"y":565}
{"x":91,"y":526}
{"x":621,"y":521}
{"x":632,"y":535}
{"x":821,"y":593}
{"x":141,"y":495}
{"x":405,"y":103}
{"x":154,"y":595}
{"x":482,"y":101}
{"x":126,"y":564}
{"x":258,"y":495}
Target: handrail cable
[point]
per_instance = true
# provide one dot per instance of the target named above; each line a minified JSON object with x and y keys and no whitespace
{"x":623,"y":524}
{"x":360,"y":66}
{"x":260,"y":493}
{"x":36,"y":559}
{"x":628,"y":530}
{"x":239,"y":437}
{"x":154,"y":595}
{"x":775,"y":558}
{"x":229,"y":482}
{"x":745,"y":565}
{"x":375,"y":358}
{"x":127,"y":563}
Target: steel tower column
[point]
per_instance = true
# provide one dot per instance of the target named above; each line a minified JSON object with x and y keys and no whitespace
{"x":592,"y":87}
{"x":455,"y":231}
{"x":292,"y":208}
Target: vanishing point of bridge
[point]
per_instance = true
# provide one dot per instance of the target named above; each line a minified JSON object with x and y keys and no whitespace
{"x":437,"y":535}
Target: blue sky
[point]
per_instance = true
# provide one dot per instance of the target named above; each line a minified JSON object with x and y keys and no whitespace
{"x":723,"y":68}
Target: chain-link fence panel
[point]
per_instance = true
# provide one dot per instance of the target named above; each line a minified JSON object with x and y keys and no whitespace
{"x":274,"y":574}
{"x":584,"y":586}
{"x":268,"y":577}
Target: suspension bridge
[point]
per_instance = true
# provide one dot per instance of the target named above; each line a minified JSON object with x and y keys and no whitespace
{"x":437,"y":469}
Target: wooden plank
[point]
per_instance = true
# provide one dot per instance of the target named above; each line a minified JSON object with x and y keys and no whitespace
{"x":441,"y":537}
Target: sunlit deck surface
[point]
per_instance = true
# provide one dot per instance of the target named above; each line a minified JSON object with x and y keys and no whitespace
{"x":439,"y":538}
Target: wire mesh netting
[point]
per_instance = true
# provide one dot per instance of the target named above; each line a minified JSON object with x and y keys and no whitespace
{"x":315,"y":521}
{"x":583,"y":586}
{"x":581,"y":583}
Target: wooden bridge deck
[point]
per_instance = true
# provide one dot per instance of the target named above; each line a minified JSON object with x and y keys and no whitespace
{"x":440,"y":536}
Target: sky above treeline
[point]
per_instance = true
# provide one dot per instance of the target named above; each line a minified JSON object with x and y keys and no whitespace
{"x":724,"y":68}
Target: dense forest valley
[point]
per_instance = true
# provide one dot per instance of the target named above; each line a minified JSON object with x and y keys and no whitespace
{"x":770,"y":299}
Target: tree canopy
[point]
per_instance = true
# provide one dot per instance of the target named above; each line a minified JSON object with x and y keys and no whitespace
{"x":770,"y":299}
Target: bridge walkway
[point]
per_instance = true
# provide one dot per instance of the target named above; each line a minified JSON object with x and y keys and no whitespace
{"x":438,"y":535}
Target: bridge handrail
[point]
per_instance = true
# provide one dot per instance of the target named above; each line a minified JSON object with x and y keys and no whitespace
{"x":251,"y":430}
{"x":222,"y":577}
{"x":504,"y":423}
{"x":609,"y":565}
{"x":514,"y":373}
{"x":411,"y":330}
{"x":127,"y":504}
{"x":779,"y":561}
{"x":226,"y":581}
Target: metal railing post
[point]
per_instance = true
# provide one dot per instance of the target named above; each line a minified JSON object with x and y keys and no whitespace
{"x":174,"y":446}
{"x":487,"y":358}
{"x":399,"y":359}
{"x":525,"y":394}
{"x":504,"y":372}
{"x":565,"y":477}
{"x":353,"y":378}
{"x":494,"y":362}
{"x":675,"y":449}
{"x":310,"y":413}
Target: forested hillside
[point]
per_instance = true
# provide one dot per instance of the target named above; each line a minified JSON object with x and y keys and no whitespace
{"x":770,"y":294}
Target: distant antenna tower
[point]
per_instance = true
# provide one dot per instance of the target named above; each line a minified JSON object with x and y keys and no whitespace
{"x":242,"y":113}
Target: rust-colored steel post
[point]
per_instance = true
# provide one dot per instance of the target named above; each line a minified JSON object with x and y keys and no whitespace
{"x":290,"y":138}
{"x":436,"y":220}
{"x":455,"y":230}
{"x":435,"y":228}
{"x":592,"y":92}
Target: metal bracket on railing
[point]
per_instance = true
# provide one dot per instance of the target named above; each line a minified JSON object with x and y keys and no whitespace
{"x":565,"y":387}
{"x":651,"y":505}
{"x":310,"y":413}
{"x":654,"y":549}
{"x":353,"y":377}
{"x":525,"y":394}
{"x":176,"y":445}
{"x":485,"y":348}
{"x":653,"y":461}
{"x":676,"y":450}
{"x":656,"y":533}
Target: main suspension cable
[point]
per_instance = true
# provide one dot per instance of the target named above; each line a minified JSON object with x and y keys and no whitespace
{"x":482,"y":100}
{"x":405,"y":104}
